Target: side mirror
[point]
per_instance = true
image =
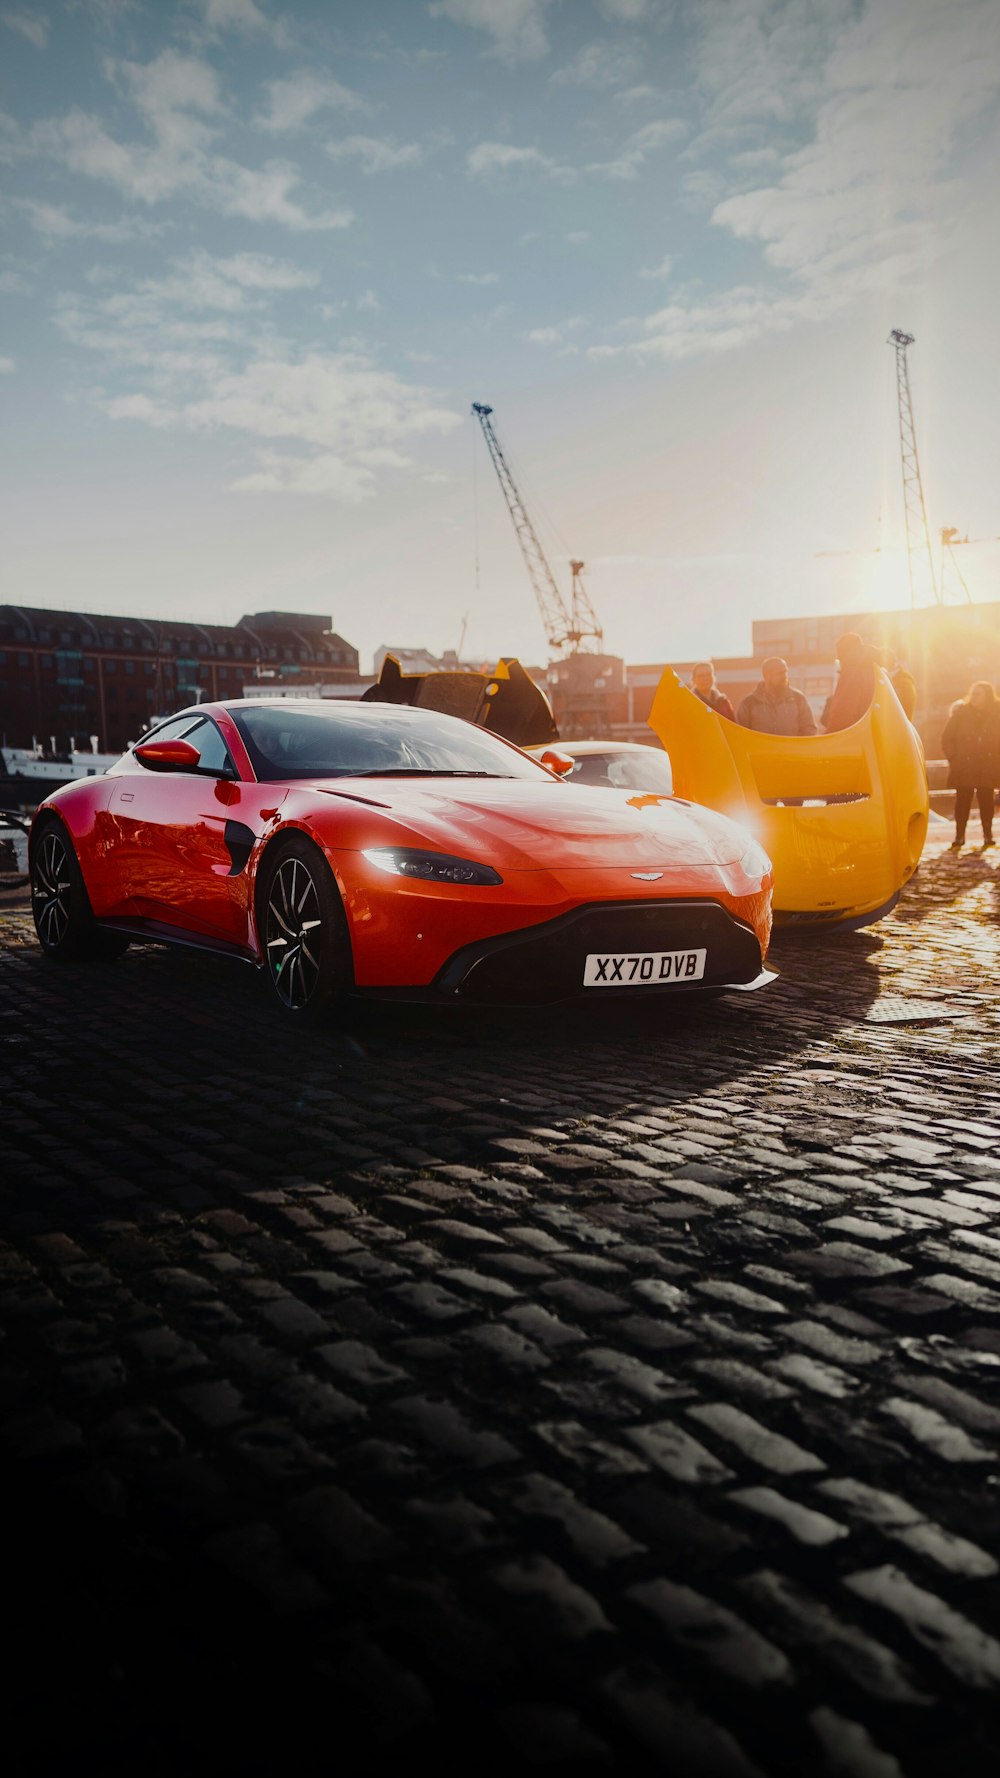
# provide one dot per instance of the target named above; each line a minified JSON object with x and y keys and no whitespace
{"x":168,"y":756}
{"x":558,"y":762}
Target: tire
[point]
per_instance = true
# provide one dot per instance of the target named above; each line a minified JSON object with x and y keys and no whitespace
{"x":303,"y":929}
{"x":60,"y":906}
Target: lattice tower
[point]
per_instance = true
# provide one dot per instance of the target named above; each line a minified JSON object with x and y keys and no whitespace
{"x":918,"y":537}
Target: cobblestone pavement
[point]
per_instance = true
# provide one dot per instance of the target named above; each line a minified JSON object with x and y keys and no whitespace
{"x":603,"y":1391}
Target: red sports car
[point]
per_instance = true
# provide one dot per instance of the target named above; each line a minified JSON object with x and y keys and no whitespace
{"x":381,"y":849}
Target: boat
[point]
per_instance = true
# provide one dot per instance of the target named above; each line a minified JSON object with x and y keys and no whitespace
{"x":29,"y":774}
{"x":843,"y":816}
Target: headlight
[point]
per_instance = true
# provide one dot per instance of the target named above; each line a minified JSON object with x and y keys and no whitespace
{"x":430,"y":867}
{"x":755,"y":861}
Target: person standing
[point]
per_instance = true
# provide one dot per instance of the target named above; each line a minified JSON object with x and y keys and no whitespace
{"x":903,"y":684}
{"x":704,"y":687}
{"x":774,"y":707}
{"x":971,"y":744}
{"x":855,"y":687}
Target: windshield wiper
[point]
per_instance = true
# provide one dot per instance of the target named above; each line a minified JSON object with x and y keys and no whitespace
{"x":425,"y":772}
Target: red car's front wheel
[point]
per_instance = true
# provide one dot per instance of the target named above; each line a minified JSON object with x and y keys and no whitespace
{"x":303,"y":927}
{"x":60,"y":906}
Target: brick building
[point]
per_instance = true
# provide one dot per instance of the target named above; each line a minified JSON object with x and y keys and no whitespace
{"x":70,"y":675}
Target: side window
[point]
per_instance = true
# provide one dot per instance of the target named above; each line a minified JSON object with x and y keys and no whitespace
{"x":592,"y":768}
{"x":215,"y":755}
{"x":170,"y":731}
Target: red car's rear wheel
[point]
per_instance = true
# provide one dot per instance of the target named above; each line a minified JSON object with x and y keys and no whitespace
{"x":304,"y":928}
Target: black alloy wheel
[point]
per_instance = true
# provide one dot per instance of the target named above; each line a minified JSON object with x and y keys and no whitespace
{"x":304,"y":929}
{"x":60,"y":906}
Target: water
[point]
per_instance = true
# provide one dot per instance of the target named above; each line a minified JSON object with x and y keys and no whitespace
{"x":20,"y":844}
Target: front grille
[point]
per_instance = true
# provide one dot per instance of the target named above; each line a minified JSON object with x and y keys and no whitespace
{"x":546,"y":962}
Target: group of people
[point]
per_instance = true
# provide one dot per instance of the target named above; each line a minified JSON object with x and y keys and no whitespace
{"x":775,"y":707}
{"x":970,"y":743}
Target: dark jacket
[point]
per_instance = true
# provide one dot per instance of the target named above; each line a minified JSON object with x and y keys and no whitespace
{"x":853,"y":692}
{"x":717,"y":701}
{"x":786,"y":714}
{"x":971,"y":742}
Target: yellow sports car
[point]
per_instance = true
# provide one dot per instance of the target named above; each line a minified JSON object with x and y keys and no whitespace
{"x":842,"y":816}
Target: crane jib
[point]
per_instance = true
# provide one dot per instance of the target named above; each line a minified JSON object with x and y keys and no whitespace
{"x":565,"y":625}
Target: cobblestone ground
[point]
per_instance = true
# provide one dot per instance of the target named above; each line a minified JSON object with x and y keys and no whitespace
{"x":612,"y":1391}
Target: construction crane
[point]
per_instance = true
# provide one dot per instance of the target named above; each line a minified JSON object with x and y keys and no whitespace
{"x":918,"y":537}
{"x":566,"y":627}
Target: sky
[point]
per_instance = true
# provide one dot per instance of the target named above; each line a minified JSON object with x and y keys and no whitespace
{"x":259,"y":258}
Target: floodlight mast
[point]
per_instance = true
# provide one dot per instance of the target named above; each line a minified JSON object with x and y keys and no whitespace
{"x":918,"y":537}
{"x":563,"y":628}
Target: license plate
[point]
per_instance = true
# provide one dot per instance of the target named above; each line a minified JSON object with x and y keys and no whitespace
{"x":640,"y":969}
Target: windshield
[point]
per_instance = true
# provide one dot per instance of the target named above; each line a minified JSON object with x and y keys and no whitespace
{"x":372,"y":739}
{"x":648,"y":770}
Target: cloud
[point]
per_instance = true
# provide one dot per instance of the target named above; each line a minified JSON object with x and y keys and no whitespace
{"x":599,"y":65}
{"x":178,"y":99}
{"x":180,"y":355}
{"x":891,"y":98}
{"x":490,"y":159}
{"x":760,"y":63}
{"x":627,"y":11}
{"x":515,"y":26}
{"x":479,"y":277}
{"x":6,"y":366}
{"x":874,"y":184}
{"x":639,"y":146}
{"x":138,"y":407}
{"x":169,"y":85}
{"x":33,"y":26}
{"x":720,"y":323}
{"x":239,"y":15}
{"x":293,"y":102}
{"x":341,"y":403}
{"x":557,"y":335}
{"x":324,"y":473}
{"x":54,"y":223}
{"x":263,"y":194}
{"x":662,"y":270}
{"x":374,"y":154}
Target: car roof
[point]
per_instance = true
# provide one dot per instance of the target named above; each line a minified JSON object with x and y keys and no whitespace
{"x":575,"y":747}
{"x":353,"y":707}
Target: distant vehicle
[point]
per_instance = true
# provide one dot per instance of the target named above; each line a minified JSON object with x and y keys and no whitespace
{"x":388,"y":850}
{"x":624,"y":765}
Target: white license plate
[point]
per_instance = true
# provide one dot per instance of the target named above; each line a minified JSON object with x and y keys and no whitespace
{"x":640,"y":969}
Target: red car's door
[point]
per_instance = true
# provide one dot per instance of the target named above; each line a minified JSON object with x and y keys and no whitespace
{"x":171,"y":843}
